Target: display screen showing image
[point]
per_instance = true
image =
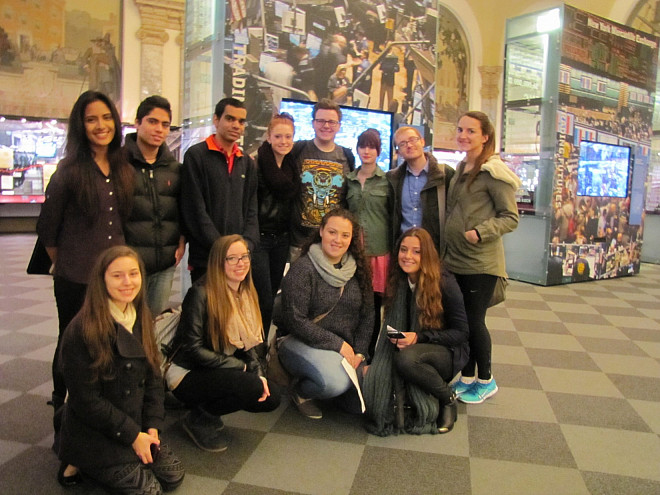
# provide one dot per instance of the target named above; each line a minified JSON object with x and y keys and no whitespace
{"x":354,"y":121}
{"x":603,"y":170}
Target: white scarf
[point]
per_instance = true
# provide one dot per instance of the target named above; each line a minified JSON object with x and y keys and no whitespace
{"x":124,"y":318}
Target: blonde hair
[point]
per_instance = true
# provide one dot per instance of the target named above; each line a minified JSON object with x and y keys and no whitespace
{"x":220,"y":301}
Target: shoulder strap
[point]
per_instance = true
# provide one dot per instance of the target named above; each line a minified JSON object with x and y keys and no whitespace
{"x":321,"y":316}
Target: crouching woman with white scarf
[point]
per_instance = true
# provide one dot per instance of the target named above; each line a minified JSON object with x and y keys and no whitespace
{"x":215,"y":369}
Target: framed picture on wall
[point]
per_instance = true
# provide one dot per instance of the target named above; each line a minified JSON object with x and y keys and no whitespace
{"x":52,"y":51}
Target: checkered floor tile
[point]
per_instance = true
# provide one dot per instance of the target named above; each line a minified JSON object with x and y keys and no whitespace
{"x":578,"y":410}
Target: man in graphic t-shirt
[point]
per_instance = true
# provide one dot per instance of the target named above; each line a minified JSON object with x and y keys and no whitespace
{"x":323,"y":165}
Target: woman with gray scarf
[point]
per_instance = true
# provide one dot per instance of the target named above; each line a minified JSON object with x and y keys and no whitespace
{"x":327,"y":312}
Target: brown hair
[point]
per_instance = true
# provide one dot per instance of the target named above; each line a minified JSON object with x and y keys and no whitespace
{"x":488,"y":130}
{"x":363,"y":268}
{"x":326,"y":104}
{"x":371,"y":138}
{"x":428,"y":294}
{"x":220,"y":301}
{"x":97,"y":323}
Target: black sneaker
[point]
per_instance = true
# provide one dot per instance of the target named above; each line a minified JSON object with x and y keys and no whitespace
{"x":204,"y":434}
{"x":307,"y":407}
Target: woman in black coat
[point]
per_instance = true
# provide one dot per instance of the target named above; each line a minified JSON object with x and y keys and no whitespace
{"x":110,"y":362}
{"x":414,"y":366}
{"x":87,"y":199}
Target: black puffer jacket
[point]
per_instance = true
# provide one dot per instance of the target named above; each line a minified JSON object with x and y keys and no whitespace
{"x":153,"y":225}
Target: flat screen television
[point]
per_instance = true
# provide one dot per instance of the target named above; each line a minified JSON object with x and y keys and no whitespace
{"x":603,"y":170}
{"x":353,"y":122}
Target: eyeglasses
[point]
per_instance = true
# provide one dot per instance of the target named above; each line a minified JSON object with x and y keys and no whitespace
{"x":233,"y":260}
{"x":331,"y":123}
{"x":410,"y":142}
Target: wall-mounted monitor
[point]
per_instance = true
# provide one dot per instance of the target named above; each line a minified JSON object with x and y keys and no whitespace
{"x":354,"y":121}
{"x":603,"y":170}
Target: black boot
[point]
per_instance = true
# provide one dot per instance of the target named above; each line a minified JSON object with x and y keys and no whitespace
{"x":448,"y":415}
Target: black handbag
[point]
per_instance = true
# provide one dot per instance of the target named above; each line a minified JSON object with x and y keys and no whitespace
{"x":40,"y":263}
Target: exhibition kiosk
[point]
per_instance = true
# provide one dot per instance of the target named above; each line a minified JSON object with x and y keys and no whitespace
{"x":577,"y":127}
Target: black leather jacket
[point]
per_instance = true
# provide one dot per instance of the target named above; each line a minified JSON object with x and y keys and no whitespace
{"x":192,"y":339}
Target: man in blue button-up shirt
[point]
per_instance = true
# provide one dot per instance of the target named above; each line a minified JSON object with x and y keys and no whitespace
{"x":415,"y":183}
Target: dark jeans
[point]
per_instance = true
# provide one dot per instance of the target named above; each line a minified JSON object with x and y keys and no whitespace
{"x":226,"y":390}
{"x":135,"y":478}
{"x":69,"y":298}
{"x":268,"y":262}
{"x":477,"y":291}
{"x":429,"y":366}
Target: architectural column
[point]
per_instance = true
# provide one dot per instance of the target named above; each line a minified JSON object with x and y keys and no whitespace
{"x":491,"y":78}
{"x":156,"y":16}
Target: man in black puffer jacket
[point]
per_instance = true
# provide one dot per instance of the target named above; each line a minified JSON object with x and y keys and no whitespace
{"x":153,"y":228}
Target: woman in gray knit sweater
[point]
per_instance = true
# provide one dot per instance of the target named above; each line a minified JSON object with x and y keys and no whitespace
{"x":327,"y":312}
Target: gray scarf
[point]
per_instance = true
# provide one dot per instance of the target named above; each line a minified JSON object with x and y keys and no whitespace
{"x":336,"y":277}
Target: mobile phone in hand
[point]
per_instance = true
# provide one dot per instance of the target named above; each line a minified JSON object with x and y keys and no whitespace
{"x":155,"y":450}
{"x":393,"y":333}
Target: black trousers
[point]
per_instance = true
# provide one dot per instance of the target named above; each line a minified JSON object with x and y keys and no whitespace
{"x":69,"y":298}
{"x":268,"y":262}
{"x":429,"y":366}
{"x":222,"y":391}
{"x":477,"y":291}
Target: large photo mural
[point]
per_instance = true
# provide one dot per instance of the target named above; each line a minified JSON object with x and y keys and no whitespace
{"x":604,"y":129}
{"x":53,"y":50}
{"x":380,"y":55}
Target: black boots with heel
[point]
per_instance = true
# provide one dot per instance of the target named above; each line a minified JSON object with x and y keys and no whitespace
{"x":448,"y":415}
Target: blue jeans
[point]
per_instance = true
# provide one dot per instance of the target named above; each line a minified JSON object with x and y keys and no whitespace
{"x":320,"y":373}
{"x":159,"y":289}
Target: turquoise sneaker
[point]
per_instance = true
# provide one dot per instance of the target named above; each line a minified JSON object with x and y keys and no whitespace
{"x":460,"y":387}
{"x":479,"y":392}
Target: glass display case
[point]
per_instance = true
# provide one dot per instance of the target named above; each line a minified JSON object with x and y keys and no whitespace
{"x":530,"y":83}
{"x":29,"y":152}
{"x":529,"y":143}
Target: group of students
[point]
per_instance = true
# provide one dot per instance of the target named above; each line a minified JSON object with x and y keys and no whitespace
{"x":422,"y":240}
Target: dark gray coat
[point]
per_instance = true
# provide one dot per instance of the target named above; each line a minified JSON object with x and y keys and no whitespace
{"x":102,"y":418}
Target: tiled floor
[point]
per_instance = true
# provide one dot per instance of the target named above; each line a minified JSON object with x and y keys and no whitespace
{"x":578,"y":409}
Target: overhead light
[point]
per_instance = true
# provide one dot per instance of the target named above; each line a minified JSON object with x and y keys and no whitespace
{"x":548,"y":21}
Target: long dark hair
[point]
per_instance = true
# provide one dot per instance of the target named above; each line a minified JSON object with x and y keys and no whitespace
{"x":78,"y":161}
{"x":97,"y":322}
{"x":363,"y":269}
{"x":488,"y":130}
{"x":428,"y":294}
{"x":220,"y":301}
